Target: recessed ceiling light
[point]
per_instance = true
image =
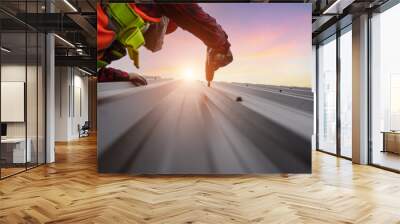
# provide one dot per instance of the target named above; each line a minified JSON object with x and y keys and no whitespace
{"x":5,"y":50}
{"x":338,"y":6}
{"x":84,"y":71}
{"x":70,"y":5}
{"x":64,"y":40}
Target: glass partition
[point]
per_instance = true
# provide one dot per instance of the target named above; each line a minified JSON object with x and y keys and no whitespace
{"x":22,"y":88}
{"x":327,"y":95}
{"x":346,"y":93}
{"x":385,"y":89}
{"x":32,"y":96}
{"x":15,"y":150}
{"x":36,"y":46}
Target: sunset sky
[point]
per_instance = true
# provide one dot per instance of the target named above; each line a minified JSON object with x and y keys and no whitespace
{"x":271,"y":44}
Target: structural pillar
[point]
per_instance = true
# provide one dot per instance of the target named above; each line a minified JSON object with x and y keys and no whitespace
{"x":360,"y":89}
{"x":50,"y":92}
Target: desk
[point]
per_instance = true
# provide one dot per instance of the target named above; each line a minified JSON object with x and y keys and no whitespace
{"x":391,"y":141}
{"x":13,"y":150}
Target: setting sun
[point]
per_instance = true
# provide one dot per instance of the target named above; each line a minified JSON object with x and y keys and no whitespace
{"x":188,"y":74}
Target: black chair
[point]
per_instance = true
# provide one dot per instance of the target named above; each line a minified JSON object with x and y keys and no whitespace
{"x":84,"y":130}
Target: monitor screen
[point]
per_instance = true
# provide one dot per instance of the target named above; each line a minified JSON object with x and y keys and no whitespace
{"x":3,"y":129}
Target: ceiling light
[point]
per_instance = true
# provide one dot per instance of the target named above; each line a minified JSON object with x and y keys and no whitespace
{"x":338,"y":6}
{"x":84,"y":71}
{"x":331,"y":7}
{"x":70,"y":5}
{"x":5,"y":50}
{"x":65,"y":41}
{"x":79,"y":51}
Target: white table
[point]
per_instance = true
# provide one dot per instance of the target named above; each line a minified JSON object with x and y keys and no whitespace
{"x":18,"y":149}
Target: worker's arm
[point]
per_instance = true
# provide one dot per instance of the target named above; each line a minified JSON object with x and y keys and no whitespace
{"x":193,"y":18}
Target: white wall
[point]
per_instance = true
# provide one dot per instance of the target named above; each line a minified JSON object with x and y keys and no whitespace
{"x":15,"y":72}
{"x":80,"y":94}
{"x":12,"y":101}
{"x":33,"y":127}
{"x":70,"y":83}
{"x":62,"y":81}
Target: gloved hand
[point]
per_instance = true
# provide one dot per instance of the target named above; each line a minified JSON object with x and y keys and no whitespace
{"x":116,"y":75}
{"x":220,"y":59}
{"x":114,"y":52}
{"x":137,"y":79}
{"x":215,"y":60}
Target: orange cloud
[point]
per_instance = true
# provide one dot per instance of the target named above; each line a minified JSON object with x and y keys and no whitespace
{"x":282,"y":50}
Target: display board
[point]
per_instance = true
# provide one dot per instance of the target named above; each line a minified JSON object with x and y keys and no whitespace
{"x":12,"y":101}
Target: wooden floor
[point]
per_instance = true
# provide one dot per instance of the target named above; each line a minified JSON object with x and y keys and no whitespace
{"x":387,"y":159}
{"x":71,"y":191}
{"x":5,"y":172}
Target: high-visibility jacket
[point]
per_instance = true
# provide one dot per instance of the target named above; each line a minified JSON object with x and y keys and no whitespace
{"x":188,"y":16}
{"x":122,"y":22}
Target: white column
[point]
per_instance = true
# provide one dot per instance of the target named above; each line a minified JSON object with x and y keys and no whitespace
{"x":63,"y":100}
{"x":360,"y":89}
{"x":50,"y":92}
{"x":50,"y":98}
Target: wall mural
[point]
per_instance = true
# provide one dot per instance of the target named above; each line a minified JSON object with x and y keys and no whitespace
{"x":204,"y":88}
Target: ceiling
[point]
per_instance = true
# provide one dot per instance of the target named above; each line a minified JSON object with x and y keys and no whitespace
{"x":331,"y":15}
{"x":74,"y":21}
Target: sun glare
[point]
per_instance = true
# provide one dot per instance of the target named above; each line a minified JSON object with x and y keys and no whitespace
{"x":188,"y":74}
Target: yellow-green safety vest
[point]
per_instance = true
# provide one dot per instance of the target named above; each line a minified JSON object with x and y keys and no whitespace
{"x":130,"y":26}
